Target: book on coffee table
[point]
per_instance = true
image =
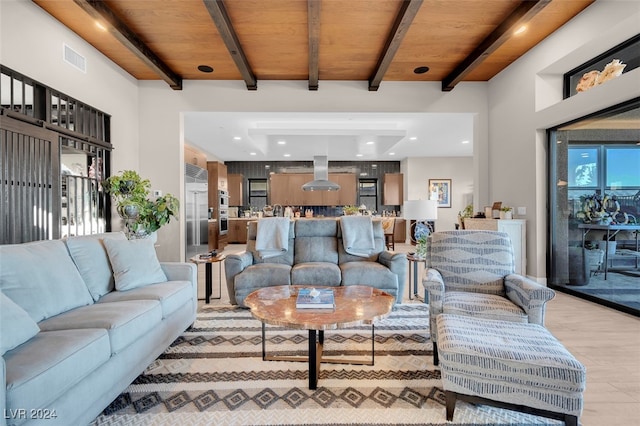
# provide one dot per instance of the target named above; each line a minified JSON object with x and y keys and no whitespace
{"x":312,"y":298}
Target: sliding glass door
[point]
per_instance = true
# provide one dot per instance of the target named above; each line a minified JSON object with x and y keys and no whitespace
{"x":595,"y":207}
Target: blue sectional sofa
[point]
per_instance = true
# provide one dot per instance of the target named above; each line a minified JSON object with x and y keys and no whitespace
{"x":80,"y":319}
{"x":315,"y":256}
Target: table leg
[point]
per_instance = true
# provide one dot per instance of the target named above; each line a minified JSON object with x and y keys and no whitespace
{"x":314,"y":360}
{"x":410,"y":292}
{"x":208,"y":285}
{"x":264,"y":348}
{"x":415,"y":279}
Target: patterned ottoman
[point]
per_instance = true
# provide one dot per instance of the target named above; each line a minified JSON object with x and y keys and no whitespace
{"x":518,"y":366}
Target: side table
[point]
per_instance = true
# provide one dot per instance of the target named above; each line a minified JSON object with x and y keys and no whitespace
{"x":413,"y":264}
{"x":209,"y":274}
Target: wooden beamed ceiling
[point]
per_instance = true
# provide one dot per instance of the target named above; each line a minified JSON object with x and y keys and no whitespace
{"x":369,"y":40}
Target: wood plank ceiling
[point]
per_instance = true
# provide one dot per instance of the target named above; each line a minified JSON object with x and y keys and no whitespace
{"x":314,"y":40}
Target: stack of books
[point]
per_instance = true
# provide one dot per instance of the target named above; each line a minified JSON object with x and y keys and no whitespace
{"x":311,"y":298}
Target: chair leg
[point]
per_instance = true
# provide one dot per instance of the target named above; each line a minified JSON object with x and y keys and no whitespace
{"x":436,"y":360}
{"x":450,"y":398}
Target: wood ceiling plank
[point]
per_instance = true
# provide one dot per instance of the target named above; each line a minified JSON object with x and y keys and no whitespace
{"x":99,"y":10}
{"x":274,"y":35}
{"x":353,"y":33}
{"x":220,"y":17}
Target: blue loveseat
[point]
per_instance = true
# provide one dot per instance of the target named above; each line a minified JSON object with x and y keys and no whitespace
{"x":80,"y":319}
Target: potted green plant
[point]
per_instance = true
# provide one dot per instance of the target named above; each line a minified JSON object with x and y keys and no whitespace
{"x":158,"y":212}
{"x":142,"y":216}
{"x":350,"y":210}
{"x":506,"y":212}
{"x":465,"y":213}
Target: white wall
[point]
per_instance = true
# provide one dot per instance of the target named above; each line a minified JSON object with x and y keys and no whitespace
{"x":526,"y":98}
{"x":417,"y":172}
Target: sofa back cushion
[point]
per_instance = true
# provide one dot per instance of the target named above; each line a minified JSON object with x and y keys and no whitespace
{"x":378,"y":239}
{"x":285,"y":259}
{"x":316,"y":241}
{"x":134,"y":263}
{"x":90,"y":256}
{"x":41,"y":278}
{"x":17,"y":325}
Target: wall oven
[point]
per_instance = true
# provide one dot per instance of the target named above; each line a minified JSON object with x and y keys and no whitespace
{"x":223,"y":200}
{"x":223,"y":222}
{"x":223,"y":219}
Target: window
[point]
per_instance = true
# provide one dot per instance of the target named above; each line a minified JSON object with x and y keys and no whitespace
{"x":257,"y":193}
{"x":368,"y":193}
{"x":623,"y":167}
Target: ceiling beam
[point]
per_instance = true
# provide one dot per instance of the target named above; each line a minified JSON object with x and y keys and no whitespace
{"x":525,"y":11}
{"x":405,"y":16}
{"x":220,"y":17}
{"x":101,"y":12}
{"x":313,"y":17}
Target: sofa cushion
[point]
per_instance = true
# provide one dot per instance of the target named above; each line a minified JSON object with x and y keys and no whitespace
{"x":90,"y":256}
{"x":134,"y":263}
{"x":258,"y":276}
{"x":17,"y":325}
{"x":41,"y":278}
{"x":171,"y":295}
{"x":316,"y":249}
{"x":47,"y":366}
{"x":316,"y":273}
{"x":480,"y":305}
{"x":371,"y":274}
{"x":125,"y":321}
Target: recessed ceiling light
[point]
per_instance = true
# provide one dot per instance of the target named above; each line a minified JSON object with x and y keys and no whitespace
{"x":287,"y":155}
{"x":282,"y":142}
{"x":237,"y":138}
{"x":392,"y":153}
{"x":370,"y":142}
{"x":413,"y":138}
{"x":520,"y":30}
{"x":420,"y":70}
{"x":252,"y":153}
{"x":358,"y":155}
{"x":465,"y":142}
{"x":205,"y":68}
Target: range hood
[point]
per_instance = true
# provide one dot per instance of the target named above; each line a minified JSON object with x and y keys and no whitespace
{"x":320,"y":180}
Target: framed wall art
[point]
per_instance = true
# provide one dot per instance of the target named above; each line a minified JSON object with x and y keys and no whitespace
{"x":440,"y":189}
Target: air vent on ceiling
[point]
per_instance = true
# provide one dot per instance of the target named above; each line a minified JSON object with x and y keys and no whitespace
{"x":74,"y":59}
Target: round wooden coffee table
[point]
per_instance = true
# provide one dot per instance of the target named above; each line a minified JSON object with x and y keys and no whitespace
{"x":354,"y":305}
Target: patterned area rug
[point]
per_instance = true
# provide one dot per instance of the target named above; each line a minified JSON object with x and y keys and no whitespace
{"x":214,"y":375}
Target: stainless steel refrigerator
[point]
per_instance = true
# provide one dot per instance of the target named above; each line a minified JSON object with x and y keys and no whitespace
{"x":197,"y":210}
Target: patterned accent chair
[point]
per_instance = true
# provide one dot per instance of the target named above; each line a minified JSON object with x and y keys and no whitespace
{"x":471,"y":273}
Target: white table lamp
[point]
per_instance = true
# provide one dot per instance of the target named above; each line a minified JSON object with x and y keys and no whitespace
{"x":421,"y":211}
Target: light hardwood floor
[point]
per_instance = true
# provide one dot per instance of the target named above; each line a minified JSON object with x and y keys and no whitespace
{"x":606,"y":341}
